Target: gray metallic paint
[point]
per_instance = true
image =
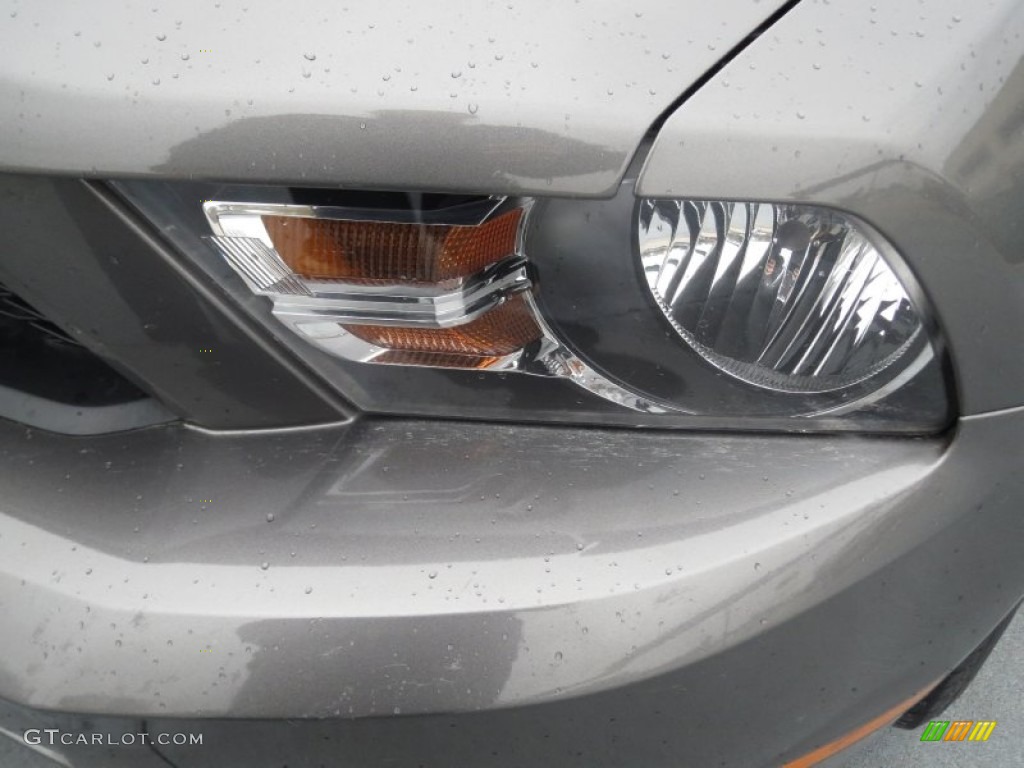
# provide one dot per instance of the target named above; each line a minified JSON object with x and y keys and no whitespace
{"x":875,"y":565}
{"x":431,"y":592}
{"x":910,"y":117}
{"x":413,"y":537}
{"x":530,"y":97}
{"x":42,"y":413}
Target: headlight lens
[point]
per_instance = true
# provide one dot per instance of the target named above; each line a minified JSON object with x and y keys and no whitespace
{"x":789,"y":298}
{"x":676,"y":313}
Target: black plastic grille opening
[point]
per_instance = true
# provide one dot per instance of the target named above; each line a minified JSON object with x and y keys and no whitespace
{"x":39,"y":358}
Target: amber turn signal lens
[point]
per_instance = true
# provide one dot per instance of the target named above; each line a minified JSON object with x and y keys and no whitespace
{"x":378,"y":252}
{"x":477,"y":344}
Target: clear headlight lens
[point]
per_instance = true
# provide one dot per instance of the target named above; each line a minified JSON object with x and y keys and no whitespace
{"x":682,"y":313}
{"x":785,"y":297}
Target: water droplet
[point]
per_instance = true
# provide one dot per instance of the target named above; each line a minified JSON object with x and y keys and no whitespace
{"x":473,"y":108}
{"x":264,"y":565}
{"x":413,"y":88}
{"x":306,"y":74}
{"x":362,"y":126}
{"x":156,"y":81}
{"x":109,"y":77}
{"x":801,"y":115}
{"x":499,"y":56}
{"x":161,"y":37}
{"x":558,"y":656}
{"x":957,"y":19}
{"x":184,"y":57}
{"x":432,"y":575}
{"x":270,"y":517}
{"x":309,"y":590}
{"x":309,"y":56}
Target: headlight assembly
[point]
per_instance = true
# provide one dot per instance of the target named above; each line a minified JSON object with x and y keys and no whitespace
{"x":624,"y":311}
{"x":785,"y":297}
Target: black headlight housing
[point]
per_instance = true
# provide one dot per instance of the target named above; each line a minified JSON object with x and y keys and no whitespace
{"x":611,"y":351}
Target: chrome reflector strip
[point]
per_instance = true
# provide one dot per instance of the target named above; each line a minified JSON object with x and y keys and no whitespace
{"x":260,"y":266}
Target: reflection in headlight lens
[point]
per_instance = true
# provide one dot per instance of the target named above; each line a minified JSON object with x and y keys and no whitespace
{"x":785,"y":297}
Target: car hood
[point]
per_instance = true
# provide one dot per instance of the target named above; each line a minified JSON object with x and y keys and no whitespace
{"x":536,"y":97}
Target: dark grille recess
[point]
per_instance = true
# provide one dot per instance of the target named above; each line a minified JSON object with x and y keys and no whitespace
{"x":39,"y":358}
{"x":14,"y":313}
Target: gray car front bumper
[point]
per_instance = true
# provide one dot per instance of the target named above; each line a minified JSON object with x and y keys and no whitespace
{"x":471,"y":594}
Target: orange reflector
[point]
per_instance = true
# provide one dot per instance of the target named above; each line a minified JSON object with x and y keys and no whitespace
{"x":370,"y":251}
{"x":436,"y":360}
{"x":851,"y":738}
{"x":477,"y":344}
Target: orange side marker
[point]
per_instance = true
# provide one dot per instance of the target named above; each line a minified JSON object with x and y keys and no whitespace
{"x":826,"y":751}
